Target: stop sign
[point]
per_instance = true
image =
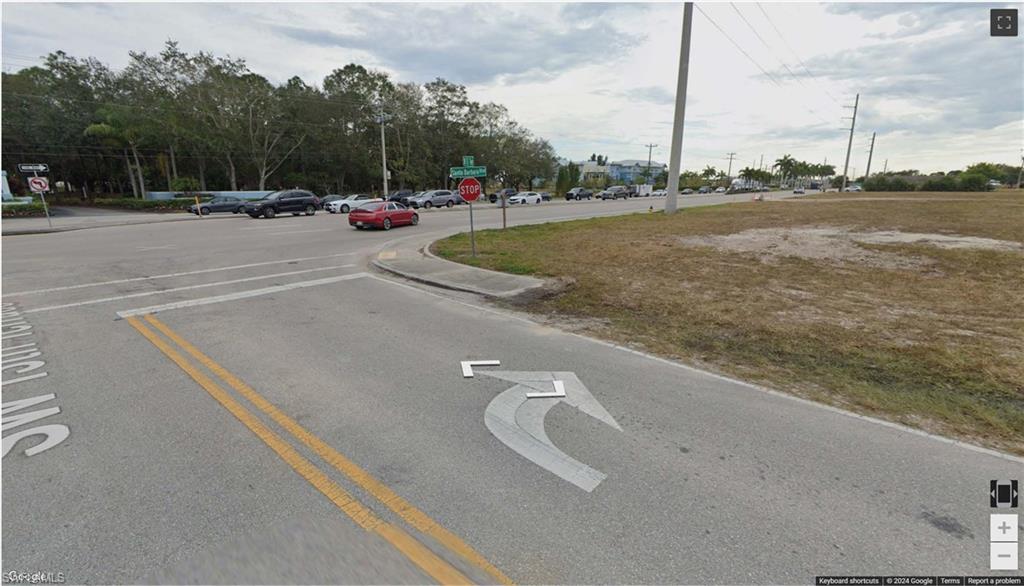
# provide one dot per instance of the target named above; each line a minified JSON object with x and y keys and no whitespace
{"x":469,"y":189}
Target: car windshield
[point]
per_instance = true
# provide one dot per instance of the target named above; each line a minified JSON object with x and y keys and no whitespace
{"x":273,"y":195}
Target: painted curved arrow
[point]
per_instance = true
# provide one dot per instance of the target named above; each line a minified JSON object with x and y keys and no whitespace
{"x":518,"y":421}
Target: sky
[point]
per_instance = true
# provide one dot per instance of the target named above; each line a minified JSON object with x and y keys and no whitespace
{"x":765,"y":80}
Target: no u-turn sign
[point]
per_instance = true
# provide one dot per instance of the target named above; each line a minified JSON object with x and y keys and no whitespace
{"x":39,"y":184}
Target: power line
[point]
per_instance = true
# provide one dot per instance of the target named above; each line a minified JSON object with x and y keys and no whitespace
{"x":751,"y":59}
{"x":788,"y":46}
{"x":765,"y":43}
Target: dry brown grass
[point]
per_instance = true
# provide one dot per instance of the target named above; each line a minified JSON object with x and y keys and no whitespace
{"x":936,"y":343}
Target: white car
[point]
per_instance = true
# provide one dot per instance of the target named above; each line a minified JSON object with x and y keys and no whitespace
{"x":525,"y":197}
{"x":720,"y":190}
{"x":349,"y":202}
{"x":659,"y":193}
{"x":854,"y":188}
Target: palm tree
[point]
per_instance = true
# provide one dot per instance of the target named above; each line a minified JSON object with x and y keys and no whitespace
{"x":786,"y":166}
{"x":709,"y":172}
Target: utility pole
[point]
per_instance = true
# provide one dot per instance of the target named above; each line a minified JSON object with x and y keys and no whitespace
{"x":761,"y":166}
{"x":680,"y":114}
{"x":728,"y":174}
{"x":1020,"y":174}
{"x":383,"y":155}
{"x":650,"y":149}
{"x":849,"y":145}
{"x":885,"y":167}
{"x":871,"y":153}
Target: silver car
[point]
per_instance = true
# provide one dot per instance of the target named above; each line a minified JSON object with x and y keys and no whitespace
{"x":435,"y":198}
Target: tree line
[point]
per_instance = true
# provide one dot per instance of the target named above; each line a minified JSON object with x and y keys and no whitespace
{"x":177,"y":121}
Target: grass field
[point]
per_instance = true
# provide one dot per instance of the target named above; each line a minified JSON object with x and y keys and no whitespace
{"x":904,"y":306}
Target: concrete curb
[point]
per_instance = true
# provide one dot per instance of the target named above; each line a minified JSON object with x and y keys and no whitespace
{"x":48,"y":230}
{"x":443,"y":284}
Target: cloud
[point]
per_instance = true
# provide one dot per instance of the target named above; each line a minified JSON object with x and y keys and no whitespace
{"x":957,"y":82}
{"x":494,"y":42}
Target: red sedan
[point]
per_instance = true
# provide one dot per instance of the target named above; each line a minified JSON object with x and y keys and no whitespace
{"x":382,"y":215}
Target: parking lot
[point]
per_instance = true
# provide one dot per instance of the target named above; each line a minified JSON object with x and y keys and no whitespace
{"x":220,"y":377}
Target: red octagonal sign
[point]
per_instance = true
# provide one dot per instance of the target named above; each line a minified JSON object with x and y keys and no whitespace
{"x":469,"y":189}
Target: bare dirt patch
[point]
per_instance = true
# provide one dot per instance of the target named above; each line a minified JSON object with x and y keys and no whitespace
{"x":841,"y":244}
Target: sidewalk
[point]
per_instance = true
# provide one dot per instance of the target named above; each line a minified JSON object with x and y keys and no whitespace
{"x":65,"y":222}
{"x":410,"y":258}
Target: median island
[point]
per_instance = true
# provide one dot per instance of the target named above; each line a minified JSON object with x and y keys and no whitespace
{"x":903,"y":306}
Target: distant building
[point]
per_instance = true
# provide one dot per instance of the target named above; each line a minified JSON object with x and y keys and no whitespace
{"x":591,"y":171}
{"x":630,"y":171}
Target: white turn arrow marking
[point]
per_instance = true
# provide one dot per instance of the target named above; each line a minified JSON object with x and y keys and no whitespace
{"x":558,"y":392}
{"x":467,"y":366}
{"x":517,"y":419}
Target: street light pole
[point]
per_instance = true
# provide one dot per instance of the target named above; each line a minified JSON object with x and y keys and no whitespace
{"x":383,"y":155}
{"x":680,"y":113}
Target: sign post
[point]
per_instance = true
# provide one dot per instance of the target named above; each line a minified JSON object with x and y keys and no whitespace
{"x":38,"y":185}
{"x":469,"y":190}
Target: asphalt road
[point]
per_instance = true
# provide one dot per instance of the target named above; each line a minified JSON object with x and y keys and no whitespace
{"x":289,"y":415}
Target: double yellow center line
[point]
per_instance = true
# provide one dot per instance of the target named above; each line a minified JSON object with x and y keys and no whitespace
{"x":435,"y":566}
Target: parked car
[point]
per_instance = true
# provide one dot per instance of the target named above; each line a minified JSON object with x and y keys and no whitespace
{"x":719,"y":189}
{"x":502,"y":194}
{"x":221,"y":203}
{"x":397,"y":195}
{"x":329,"y":198}
{"x":798,"y":191}
{"x":854,"y":187}
{"x":614,"y":192}
{"x":404,"y":200}
{"x":704,"y":189}
{"x":546,"y":196}
{"x":382,"y":214}
{"x":434,"y":198}
{"x":525,"y":197}
{"x":659,"y":193}
{"x":348,"y":202}
{"x":296,"y":201}
{"x":579,"y":193}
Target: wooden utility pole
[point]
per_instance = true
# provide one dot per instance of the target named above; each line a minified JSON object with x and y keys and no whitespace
{"x":849,"y":145}
{"x":871,"y":152}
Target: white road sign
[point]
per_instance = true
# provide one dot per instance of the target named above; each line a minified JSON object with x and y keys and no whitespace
{"x":39,"y":184}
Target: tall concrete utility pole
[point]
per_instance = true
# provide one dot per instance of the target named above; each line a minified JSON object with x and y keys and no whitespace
{"x":383,"y":154}
{"x":680,"y":115}
{"x":650,"y":148}
{"x":761,"y":166}
{"x":1020,"y":174}
{"x":885,"y":167}
{"x":728,"y":174}
{"x":849,"y":145}
{"x":871,"y":153}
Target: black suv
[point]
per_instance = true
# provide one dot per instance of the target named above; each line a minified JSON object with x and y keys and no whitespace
{"x":578,"y":193}
{"x":502,"y":194}
{"x":296,"y":201}
{"x":400,"y":195}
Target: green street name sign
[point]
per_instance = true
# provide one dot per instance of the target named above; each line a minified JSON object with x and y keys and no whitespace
{"x":463,"y":172}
